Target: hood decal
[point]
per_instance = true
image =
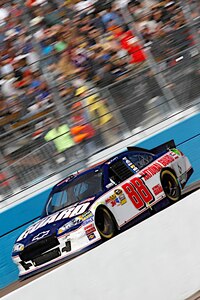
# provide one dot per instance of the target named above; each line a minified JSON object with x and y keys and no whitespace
{"x":66,"y":213}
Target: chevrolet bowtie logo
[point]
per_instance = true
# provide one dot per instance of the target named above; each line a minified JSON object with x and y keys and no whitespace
{"x":40,"y":235}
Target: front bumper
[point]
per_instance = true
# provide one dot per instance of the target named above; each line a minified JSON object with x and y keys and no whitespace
{"x":37,"y":257}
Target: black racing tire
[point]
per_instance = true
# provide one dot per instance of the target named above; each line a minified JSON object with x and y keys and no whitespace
{"x":105,"y":223}
{"x":170,"y":185}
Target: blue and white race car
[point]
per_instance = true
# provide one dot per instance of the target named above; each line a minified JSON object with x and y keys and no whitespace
{"x":93,"y":205}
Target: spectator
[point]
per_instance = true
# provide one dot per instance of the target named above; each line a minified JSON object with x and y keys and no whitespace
{"x":6,"y":66}
{"x":13,"y":104}
{"x":60,"y":135}
{"x":4,"y":13}
{"x":81,"y":129}
{"x":8,"y":87}
{"x":111,"y":18}
{"x":137,"y":9}
{"x":84,"y":6}
{"x":131,"y":44}
{"x":100,"y":117}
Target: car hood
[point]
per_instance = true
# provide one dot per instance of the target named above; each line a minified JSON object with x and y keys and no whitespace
{"x":75,"y":214}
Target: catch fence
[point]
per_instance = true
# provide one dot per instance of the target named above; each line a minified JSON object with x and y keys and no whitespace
{"x":165,"y":84}
{"x":136,"y":101}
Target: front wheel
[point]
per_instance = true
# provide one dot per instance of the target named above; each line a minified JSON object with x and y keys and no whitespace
{"x":170,"y":185}
{"x":105,"y":223}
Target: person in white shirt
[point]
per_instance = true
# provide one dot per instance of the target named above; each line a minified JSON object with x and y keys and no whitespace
{"x":84,"y":6}
{"x":4,"y":13}
{"x":8,"y":88}
{"x":6,"y":67}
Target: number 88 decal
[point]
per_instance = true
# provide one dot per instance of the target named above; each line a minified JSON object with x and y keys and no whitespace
{"x":138,"y":192}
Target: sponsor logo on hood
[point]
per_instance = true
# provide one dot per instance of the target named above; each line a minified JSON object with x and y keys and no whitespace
{"x":67,"y":213}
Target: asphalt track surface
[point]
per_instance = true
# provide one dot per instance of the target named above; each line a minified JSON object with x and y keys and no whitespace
{"x":17,"y":284}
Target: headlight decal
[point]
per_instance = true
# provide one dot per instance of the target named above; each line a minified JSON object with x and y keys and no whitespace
{"x":84,"y":219}
{"x":69,"y":225}
{"x":18,"y":247}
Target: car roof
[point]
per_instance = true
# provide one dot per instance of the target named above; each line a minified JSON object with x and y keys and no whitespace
{"x":97,"y":166}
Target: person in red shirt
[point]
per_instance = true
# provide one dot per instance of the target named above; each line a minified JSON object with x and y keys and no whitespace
{"x":131,"y":44}
{"x":30,"y":3}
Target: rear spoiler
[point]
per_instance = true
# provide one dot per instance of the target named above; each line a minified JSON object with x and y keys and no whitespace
{"x":159,"y":149}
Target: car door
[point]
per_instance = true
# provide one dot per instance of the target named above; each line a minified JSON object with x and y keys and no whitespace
{"x":131,"y":196}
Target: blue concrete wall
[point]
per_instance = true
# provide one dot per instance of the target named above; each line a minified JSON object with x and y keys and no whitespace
{"x":12,"y":222}
{"x":22,"y":213}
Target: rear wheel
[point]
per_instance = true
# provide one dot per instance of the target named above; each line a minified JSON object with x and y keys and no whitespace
{"x":170,"y":185}
{"x":105,"y":223}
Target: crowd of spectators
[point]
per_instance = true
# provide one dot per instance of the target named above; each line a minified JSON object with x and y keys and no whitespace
{"x":55,"y":55}
{"x":79,"y":44}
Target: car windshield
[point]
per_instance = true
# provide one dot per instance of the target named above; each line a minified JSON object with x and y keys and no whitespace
{"x":80,"y":188}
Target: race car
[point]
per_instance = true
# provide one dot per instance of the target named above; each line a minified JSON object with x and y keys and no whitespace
{"x":93,"y":205}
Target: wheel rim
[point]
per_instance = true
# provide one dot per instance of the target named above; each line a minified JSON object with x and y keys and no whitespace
{"x":170,"y":186}
{"x":105,"y":224}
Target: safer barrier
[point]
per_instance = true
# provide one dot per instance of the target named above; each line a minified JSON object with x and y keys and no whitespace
{"x":157,"y":259}
{"x":186,"y":135}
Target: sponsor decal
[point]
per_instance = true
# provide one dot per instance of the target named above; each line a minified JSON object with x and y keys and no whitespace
{"x":155,"y":168}
{"x":113,"y":197}
{"x":118,"y":198}
{"x":166,"y":160}
{"x":87,"y":221}
{"x":148,"y":172}
{"x":63,"y":214}
{"x":91,"y":236}
{"x":118,"y":192}
{"x":175,"y":152}
{"x":112,"y":160}
{"x":122,"y":199}
{"x":130,"y":164}
{"x":157,"y":189}
{"x":40,"y":235}
{"x":109,"y":200}
{"x":89,"y":229}
{"x":86,"y":215}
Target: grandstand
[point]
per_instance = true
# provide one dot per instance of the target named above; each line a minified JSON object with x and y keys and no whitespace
{"x":79,"y":76}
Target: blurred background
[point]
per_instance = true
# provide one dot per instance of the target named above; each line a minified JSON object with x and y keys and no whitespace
{"x":79,"y":76}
